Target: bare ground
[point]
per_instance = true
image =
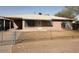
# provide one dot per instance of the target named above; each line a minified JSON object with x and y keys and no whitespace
{"x":41,"y":41}
{"x":48,"y":46}
{"x":51,"y":41}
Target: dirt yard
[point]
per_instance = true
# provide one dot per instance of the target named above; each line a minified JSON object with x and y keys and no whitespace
{"x":41,"y":41}
{"x":48,"y":46}
{"x":51,"y":41}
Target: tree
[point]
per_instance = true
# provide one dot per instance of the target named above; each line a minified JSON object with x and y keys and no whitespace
{"x":74,"y":9}
{"x":66,"y":13}
{"x":70,"y":12}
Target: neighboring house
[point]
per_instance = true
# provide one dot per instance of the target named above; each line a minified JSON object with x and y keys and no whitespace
{"x":26,"y":21}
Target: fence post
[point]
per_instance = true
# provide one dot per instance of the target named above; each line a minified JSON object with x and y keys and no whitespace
{"x":1,"y":41}
{"x":50,"y":34}
{"x":14,"y":38}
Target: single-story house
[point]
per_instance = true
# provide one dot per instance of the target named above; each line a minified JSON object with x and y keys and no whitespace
{"x":24,"y":21}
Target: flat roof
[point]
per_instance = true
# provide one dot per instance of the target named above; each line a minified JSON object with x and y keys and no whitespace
{"x":39,"y":17}
{"x":3,"y":18}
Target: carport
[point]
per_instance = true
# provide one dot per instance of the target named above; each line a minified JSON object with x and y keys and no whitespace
{"x":16,"y":22}
{"x":5,"y":23}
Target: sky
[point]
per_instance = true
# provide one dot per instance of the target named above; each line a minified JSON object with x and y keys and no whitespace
{"x":17,"y":10}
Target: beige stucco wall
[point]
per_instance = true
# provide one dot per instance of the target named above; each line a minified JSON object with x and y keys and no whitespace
{"x":57,"y":26}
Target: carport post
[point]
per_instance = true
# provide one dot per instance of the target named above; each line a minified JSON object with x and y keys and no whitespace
{"x":4,"y":25}
{"x":23,"y":24}
{"x":10,"y":25}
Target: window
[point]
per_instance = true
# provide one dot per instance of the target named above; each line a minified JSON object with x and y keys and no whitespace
{"x":30,"y":23}
{"x":46,"y":23}
{"x":37,"y":23}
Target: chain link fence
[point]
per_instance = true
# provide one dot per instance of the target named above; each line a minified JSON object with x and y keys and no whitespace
{"x":13,"y":37}
{"x":7,"y":38}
